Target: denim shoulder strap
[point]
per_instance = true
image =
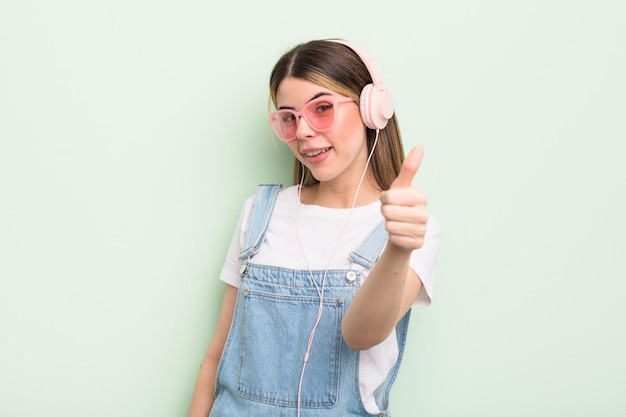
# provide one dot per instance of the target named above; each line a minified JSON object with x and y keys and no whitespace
{"x":369,"y":251}
{"x":260,"y":214}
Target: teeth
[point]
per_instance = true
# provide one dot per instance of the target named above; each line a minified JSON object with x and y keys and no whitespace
{"x":315,"y":153}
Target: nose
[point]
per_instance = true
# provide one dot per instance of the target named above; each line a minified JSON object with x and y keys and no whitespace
{"x":303,"y":129}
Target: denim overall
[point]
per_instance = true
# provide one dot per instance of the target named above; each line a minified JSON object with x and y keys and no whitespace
{"x":276,"y":309}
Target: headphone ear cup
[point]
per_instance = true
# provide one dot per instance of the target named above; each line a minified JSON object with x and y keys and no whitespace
{"x":376,"y":107}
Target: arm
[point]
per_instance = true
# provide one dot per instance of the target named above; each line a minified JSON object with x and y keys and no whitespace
{"x":203,"y":395}
{"x":392,"y":286}
{"x":383,"y":299}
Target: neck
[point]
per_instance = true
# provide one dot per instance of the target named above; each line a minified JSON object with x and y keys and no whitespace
{"x":341,"y":195}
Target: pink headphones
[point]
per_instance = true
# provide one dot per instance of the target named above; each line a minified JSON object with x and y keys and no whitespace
{"x":376,"y":104}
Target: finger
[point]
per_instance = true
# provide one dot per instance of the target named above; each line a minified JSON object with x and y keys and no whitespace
{"x":401,"y":229}
{"x":409,"y":168}
{"x":408,"y":196}
{"x":411,"y":237}
{"x":410,"y":215}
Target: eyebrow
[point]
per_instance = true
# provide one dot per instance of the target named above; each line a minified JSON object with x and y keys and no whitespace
{"x":318,"y":95}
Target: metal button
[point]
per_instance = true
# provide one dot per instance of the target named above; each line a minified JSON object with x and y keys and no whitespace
{"x":243,"y":270}
{"x":351,"y":277}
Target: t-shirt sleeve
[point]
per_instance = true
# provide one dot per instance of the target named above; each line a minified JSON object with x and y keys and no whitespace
{"x":423,"y":261}
{"x":230,"y":270}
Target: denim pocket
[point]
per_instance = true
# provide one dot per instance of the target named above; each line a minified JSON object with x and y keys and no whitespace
{"x":275,"y":333}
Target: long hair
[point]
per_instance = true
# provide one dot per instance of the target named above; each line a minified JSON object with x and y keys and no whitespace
{"x":337,"y":67}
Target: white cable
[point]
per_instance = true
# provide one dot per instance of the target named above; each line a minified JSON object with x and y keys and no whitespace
{"x":320,"y":291}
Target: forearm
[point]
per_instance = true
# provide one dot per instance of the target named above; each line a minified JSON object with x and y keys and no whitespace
{"x":203,"y":394}
{"x":382,"y":300}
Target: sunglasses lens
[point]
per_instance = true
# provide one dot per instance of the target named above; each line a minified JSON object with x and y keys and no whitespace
{"x":320,"y":114}
{"x":285,"y":124}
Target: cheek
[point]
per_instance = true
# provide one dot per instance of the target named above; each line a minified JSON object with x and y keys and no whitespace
{"x":293,"y":147}
{"x":353,"y":124}
{"x":354,"y":135}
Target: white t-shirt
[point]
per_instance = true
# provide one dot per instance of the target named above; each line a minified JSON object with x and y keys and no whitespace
{"x":326,"y":237}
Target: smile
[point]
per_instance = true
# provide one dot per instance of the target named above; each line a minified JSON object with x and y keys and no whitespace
{"x":315,"y":153}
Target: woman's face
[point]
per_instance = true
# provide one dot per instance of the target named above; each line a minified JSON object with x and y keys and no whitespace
{"x":336,"y":155}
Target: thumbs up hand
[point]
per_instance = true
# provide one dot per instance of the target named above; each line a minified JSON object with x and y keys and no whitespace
{"x":404,"y":206}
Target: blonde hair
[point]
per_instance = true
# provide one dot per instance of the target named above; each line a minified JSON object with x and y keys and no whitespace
{"x":337,"y":67}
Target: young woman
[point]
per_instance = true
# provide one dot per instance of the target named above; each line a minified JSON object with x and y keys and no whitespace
{"x":321,"y":276}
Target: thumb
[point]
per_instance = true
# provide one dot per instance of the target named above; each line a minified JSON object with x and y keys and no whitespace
{"x":409,"y":168}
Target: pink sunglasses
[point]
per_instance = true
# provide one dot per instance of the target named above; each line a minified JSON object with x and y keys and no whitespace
{"x":319,"y":114}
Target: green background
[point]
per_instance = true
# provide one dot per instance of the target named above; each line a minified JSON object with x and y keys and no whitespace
{"x":131,"y":132}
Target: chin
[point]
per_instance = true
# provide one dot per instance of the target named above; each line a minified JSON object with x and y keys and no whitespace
{"x":322,"y":176}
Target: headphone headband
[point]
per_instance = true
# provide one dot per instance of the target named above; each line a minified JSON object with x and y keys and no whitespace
{"x":376,"y":103}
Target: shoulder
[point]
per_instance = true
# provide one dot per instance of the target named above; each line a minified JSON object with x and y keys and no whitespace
{"x":287,"y":197}
{"x":284,"y":195}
